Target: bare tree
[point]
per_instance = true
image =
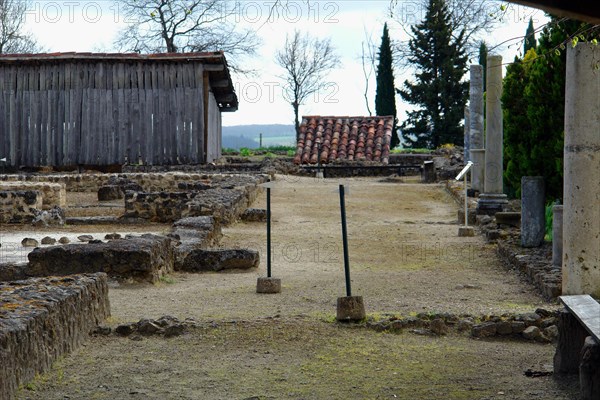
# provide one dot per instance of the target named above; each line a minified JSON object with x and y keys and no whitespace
{"x":368,"y":60}
{"x":13,"y":39}
{"x":306,"y":61}
{"x":157,"y":26}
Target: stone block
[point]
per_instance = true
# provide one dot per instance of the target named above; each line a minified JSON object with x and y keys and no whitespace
{"x":466,"y":231}
{"x":350,"y":309}
{"x":268,"y":285}
{"x":145,"y":258}
{"x":484,"y":330}
{"x":19,"y":206}
{"x":53,"y":194}
{"x":508,"y":218}
{"x":194,"y":233}
{"x":43,"y":319}
{"x":218,"y":260}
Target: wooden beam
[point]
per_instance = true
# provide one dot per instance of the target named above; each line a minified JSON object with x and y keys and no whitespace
{"x":587,"y":11}
{"x":222,"y":83}
{"x":214,"y":67}
{"x":206,"y":87}
{"x":226,"y":98}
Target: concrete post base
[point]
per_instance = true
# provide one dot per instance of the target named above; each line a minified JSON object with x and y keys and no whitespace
{"x":350,"y":308}
{"x":319,"y":175}
{"x":466,"y":231}
{"x":268,"y":285}
{"x":491,"y":203}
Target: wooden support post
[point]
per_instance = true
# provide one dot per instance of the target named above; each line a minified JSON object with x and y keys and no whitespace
{"x":571,"y":338}
{"x":206,"y":87}
{"x":589,"y":370}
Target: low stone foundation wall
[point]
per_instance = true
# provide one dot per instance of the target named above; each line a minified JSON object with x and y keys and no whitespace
{"x":145,"y":258}
{"x":53,"y":194}
{"x":44,"y":318}
{"x":19,"y":206}
{"x":150,"y":182}
{"x":224,"y":198}
{"x":538,"y":268}
{"x":194,"y":233}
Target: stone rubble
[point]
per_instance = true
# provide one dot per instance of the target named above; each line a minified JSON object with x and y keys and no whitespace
{"x":539,"y":326}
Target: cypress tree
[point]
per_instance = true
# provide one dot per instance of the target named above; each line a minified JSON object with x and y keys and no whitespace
{"x":529,"y":42}
{"x":533,"y":101}
{"x":438,"y":91}
{"x":483,"y":52}
{"x":385,"y":96}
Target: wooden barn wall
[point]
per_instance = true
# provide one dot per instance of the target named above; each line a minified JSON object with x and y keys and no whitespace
{"x":214,"y":129}
{"x":101,"y":113}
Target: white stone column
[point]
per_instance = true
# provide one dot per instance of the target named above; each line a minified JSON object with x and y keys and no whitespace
{"x":493,"y":199}
{"x":476,"y":127}
{"x":581,"y":211}
{"x":557,"y":235}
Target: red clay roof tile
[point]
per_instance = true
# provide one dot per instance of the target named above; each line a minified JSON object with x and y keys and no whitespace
{"x":344,"y":138}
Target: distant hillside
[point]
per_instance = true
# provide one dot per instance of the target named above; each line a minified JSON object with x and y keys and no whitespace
{"x":248,"y":135}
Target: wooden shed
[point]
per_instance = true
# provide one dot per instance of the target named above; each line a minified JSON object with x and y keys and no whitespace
{"x":70,"y":109}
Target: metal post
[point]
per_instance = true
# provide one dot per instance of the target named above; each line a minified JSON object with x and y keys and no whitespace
{"x":260,"y":140}
{"x":345,"y":242}
{"x":466,"y":204}
{"x":268,"y":232}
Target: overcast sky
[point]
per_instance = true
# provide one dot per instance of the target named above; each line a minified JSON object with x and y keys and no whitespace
{"x":72,"y":25}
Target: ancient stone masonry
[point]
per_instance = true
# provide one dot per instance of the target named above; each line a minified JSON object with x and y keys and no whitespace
{"x":53,"y":194}
{"x":220,"y":259}
{"x":19,"y":206}
{"x":91,"y":182}
{"x":224,"y":198}
{"x":145,"y":258}
{"x":194,"y":233}
{"x":44,"y":318}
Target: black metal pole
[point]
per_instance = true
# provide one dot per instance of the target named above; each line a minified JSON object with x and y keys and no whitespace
{"x":319,"y":159}
{"x":345,"y":242}
{"x":268,"y":232}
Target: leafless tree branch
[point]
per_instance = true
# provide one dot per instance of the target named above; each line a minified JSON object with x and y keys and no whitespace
{"x":306,"y":61}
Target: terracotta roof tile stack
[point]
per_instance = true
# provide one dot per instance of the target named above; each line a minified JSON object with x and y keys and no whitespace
{"x":344,"y":139}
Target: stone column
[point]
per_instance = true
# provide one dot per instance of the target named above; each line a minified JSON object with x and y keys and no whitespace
{"x":467,"y":139}
{"x":557,"y":235}
{"x":476,"y":127}
{"x":493,"y":199}
{"x":533,"y":211}
{"x":478,"y":169}
{"x":581,"y":215}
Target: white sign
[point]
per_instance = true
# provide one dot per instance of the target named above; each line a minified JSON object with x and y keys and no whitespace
{"x":464,"y":171}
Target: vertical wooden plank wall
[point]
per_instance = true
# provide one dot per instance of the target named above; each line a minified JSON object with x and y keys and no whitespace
{"x":101,"y":113}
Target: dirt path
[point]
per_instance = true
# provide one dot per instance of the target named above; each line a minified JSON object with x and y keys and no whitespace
{"x":405,"y":257}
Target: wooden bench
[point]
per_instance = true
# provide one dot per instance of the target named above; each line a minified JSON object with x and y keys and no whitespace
{"x":578,"y":348}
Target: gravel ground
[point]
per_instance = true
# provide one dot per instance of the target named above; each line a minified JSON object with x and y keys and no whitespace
{"x":405,"y":258}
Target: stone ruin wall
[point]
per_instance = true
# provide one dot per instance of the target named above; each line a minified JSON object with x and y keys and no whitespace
{"x":53,"y":194}
{"x":225,"y":205}
{"x":91,"y":182}
{"x":19,"y":206}
{"x":43,"y":319}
